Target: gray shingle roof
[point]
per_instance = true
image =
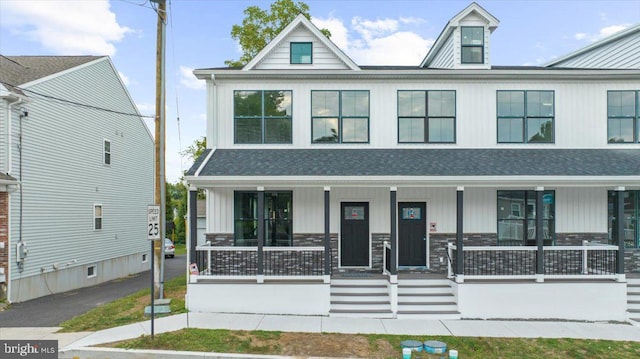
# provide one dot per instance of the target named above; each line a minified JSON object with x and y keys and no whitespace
{"x":18,"y":70}
{"x":420,"y":162}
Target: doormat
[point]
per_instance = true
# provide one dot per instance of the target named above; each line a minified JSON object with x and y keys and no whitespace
{"x":357,"y":275}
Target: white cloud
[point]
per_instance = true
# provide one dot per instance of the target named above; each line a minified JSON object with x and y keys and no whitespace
{"x":604,"y":32}
{"x":188,"y":79}
{"x":66,"y":27}
{"x":580,"y":36}
{"x":125,"y":78}
{"x":377,"y":42}
{"x":145,"y":108}
{"x":412,"y":20}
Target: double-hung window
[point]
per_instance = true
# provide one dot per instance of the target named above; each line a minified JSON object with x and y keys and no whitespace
{"x":517,"y":217}
{"x":106,"y":155}
{"x":340,"y":116}
{"x":426,"y":116}
{"x":301,"y":53}
{"x":472,"y":41}
{"x":623,"y":113}
{"x":277,"y":218}
{"x":97,"y":216}
{"x":525,"y":116}
{"x":262,"y":116}
{"x":631,"y":218}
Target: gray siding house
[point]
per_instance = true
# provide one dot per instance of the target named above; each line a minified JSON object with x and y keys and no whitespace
{"x":449,"y":189}
{"x":76,"y":163}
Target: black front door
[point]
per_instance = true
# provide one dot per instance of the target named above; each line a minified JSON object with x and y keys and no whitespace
{"x":412,"y":234}
{"x":354,"y":234}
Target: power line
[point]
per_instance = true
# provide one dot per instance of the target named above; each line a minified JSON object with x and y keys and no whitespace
{"x":73,"y":103}
{"x":175,"y":80}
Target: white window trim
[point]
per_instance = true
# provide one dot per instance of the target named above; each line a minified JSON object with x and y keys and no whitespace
{"x":95,"y":217}
{"x":104,"y":152}
{"x":95,"y":271}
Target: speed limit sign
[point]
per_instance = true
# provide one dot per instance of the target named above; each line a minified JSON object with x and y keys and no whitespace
{"x":153,"y":225}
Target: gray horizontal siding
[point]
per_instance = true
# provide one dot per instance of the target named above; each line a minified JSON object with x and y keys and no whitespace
{"x":63,"y":173}
{"x":621,"y":54}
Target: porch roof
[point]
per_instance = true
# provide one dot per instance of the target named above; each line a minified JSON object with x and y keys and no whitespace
{"x":320,"y":162}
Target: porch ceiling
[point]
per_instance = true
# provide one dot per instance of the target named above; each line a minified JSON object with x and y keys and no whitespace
{"x":403,"y":166}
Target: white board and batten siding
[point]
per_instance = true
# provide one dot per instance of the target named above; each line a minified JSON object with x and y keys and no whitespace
{"x":279,"y":57}
{"x":64,"y":176}
{"x":576,"y":125}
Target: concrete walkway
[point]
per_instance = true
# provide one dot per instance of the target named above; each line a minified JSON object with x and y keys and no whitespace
{"x":75,"y":344}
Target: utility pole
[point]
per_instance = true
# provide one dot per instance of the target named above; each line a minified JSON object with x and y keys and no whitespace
{"x":160,"y":183}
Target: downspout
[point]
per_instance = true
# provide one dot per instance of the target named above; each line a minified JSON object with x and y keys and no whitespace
{"x":23,"y":114}
{"x":9,"y":164}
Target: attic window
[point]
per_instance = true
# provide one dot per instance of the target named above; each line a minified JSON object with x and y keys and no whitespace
{"x":301,"y":52}
{"x":472,"y":39}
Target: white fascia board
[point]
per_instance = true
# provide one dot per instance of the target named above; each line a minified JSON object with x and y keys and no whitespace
{"x":204,"y":163}
{"x":630,"y":182}
{"x":602,"y":42}
{"x":426,"y":74}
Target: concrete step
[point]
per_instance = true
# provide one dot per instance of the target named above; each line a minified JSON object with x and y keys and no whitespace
{"x":633,"y":304}
{"x":360,"y":313}
{"x":435,"y":289}
{"x":369,"y":290}
{"x":431,"y":315}
{"x":426,"y":298}
{"x":428,"y":307}
{"x":359,"y":281}
{"x":363,"y":297}
{"x":360,"y":306}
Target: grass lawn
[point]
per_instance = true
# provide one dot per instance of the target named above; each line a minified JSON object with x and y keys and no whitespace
{"x":130,"y":310}
{"x":181,"y":249}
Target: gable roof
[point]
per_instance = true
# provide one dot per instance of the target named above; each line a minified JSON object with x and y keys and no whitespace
{"x":301,"y":20}
{"x":453,"y":24}
{"x":19,"y":70}
{"x":609,"y":40}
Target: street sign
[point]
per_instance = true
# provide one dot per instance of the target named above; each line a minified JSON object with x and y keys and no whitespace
{"x":153,"y":226}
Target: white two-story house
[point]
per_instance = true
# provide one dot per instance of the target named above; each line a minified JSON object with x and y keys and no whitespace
{"x":76,"y":176}
{"x":453,"y":188}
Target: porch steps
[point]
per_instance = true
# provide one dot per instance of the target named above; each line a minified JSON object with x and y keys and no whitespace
{"x":426,"y":299}
{"x":633,"y":300}
{"x":364,"y":298}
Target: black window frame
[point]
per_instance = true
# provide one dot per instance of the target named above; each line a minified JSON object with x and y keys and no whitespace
{"x":526,"y":215}
{"x":263,"y":119}
{"x":526,"y":117}
{"x":635,"y":119}
{"x":291,"y":46}
{"x":248,"y":219}
{"x":464,"y":46}
{"x":340,"y":117}
{"x":632,"y":198}
{"x":426,"y":117}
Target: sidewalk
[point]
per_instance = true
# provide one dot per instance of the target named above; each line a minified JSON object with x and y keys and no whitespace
{"x":73,"y":343}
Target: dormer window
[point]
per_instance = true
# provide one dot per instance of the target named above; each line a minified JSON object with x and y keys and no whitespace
{"x":472,"y":39}
{"x":301,"y":53}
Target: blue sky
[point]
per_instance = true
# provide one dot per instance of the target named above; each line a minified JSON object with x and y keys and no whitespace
{"x":371,"y":32}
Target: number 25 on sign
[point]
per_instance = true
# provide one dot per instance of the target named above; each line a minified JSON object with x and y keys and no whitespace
{"x":153,"y":225}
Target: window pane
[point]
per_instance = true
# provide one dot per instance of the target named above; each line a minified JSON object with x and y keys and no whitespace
{"x":540,"y":103}
{"x":621,"y":104}
{"x":472,"y":55}
{"x":355,"y":129}
{"x":98,"y":211}
{"x":248,"y":130}
{"x":325,"y":130}
{"x":247,"y":103}
{"x":325,"y":103}
{"x":539,"y":130}
{"x":620,"y":130}
{"x":355,"y":103}
{"x":277,"y":103}
{"x":107,"y":158}
{"x":411,"y":103}
{"x":510,"y":103}
{"x":511,"y":205}
{"x":277,"y":130}
{"x":510,"y":130}
{"x":107,"y":146}
{"x":411,"y":130}
{"x":510,"y":232}
{"x":301,"y":52}
{"x":246,"y":232}
{"x":442,"y":103}
{"x":472,"y":35}
{"x":441,"y":129}
{"x":98,"y":223}
{"x":354,"y":213}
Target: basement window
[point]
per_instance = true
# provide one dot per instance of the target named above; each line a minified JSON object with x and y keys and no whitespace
{"x":92,"y":271}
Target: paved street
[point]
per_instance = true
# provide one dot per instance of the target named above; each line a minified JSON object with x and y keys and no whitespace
{"x":51,"y":310}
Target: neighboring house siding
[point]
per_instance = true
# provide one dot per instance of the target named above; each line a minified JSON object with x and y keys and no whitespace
{"x":575,"y":125}
{"x":445,"y":58}
{"x":323,"y":58}
{"x":64,"y":174}
{"x":621,"y":54}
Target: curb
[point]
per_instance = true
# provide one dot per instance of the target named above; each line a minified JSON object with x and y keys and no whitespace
{"x":113,"y":353}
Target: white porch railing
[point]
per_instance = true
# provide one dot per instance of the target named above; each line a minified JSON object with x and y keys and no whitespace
{"x":589,"y":261}
{"x":283,"y":263}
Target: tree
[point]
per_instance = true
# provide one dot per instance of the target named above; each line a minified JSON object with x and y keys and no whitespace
{"x":176,"y":209}
{"x":195,"y":150}
{"x":260,"y":26}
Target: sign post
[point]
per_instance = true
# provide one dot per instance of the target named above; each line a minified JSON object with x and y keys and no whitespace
{"x":153,"y":233}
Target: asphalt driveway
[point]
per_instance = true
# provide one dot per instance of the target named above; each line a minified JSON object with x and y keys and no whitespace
{"x":51,"y":310}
